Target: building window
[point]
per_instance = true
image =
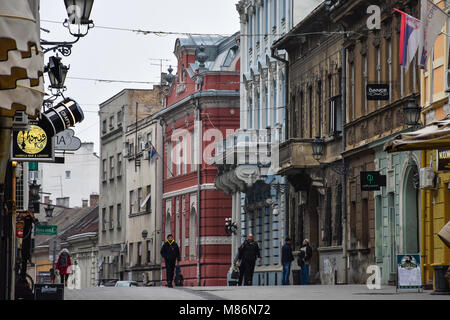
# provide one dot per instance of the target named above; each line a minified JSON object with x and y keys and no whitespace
{"x":230,"y":57}
{"x":148,"y":200}
{"x":274,"y":13}
{"x":67,"y":174}
{"x":104,"y":126}
{"x":335,"y":115}
{"x":250,"y":114}
{"x":119,"y":215}
{"x":131,"y":201}
{"x":319,"y":114}
{"x":310,"y":102}
{"x":104,"y":170}
{"x":119,"y":164}
{"x":139,"y":257}
{"x":111,"y":122}
{"x":139,"y":200}
{"x":275,"y":102}
{"x":111,"y":217}
{"x":130,"y":255}
{"x":119,"y":118}
{"x":148,"y":252}
{"x":111,"y":168}
{"x":104,"y":219}
{"x":258,"y":110}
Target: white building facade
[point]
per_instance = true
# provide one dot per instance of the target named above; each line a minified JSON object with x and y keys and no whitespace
{"x":74,"y":180}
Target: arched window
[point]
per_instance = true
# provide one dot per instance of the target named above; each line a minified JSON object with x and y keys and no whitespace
{"x":168,"y":228}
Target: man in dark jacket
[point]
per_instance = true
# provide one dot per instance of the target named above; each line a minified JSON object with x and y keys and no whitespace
{"x":171,"y":253}
{"x":286,"y":259}
{"x":248,"y":253}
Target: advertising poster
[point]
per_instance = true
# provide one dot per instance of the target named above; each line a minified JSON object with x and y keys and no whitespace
{"x":409,"y":275}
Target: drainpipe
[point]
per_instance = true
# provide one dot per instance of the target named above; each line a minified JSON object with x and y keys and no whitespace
{"x":344,"y":176}
{"x":199,"y":130}
{"x":286,"y":63}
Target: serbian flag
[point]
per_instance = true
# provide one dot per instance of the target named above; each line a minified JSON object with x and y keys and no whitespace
{"x":409,"y":39}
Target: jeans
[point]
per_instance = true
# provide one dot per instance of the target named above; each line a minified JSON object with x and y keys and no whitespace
{"x":286,"y":273}
{"x":305,"y":274}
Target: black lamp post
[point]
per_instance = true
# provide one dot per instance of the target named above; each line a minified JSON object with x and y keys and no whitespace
{"x":412,"y":112}
{"x":144,"y":234}
{"x":317,"y":144}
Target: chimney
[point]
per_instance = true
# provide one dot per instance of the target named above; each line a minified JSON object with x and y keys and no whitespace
{"x":64,"y":202}
{"x":85,"y":203}
{"x":94,"y":198}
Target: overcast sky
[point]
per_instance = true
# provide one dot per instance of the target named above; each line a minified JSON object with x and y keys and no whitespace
{"x":122,"y":55}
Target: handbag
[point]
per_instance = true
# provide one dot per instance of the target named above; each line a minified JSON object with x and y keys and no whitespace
{"x":235,"y":273}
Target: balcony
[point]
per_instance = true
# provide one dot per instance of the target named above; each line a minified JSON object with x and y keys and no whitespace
{"x":296,"y":155}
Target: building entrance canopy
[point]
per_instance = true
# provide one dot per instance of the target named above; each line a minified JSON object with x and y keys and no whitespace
{"x":434,"y":136}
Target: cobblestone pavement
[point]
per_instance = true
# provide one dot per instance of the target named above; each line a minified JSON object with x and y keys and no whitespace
{"x":312,"y":292}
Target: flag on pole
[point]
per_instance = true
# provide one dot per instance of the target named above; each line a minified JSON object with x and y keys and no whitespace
{"x":153,"y":152}
{"x":409,"y":39}
{"x":432,"y":20}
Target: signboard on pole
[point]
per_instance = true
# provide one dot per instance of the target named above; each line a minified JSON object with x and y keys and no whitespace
{"x":443,"y":160}
{"x":377,"y":92}
{"x":409,"y":275}
{"x":32,"y":145}
{"x":372,"y":180}
{"x":67,"y":141}
{"x":46,"y":229}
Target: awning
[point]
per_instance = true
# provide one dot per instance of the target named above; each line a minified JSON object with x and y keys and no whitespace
{"x":436,"y":135}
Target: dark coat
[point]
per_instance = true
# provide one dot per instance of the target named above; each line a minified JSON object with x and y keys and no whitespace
{"x":286,"y":253}
{"x":170,"y":252}
{"x":249,"y":252}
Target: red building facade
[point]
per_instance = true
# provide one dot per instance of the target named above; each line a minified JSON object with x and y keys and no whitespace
{"x":201,"y":108}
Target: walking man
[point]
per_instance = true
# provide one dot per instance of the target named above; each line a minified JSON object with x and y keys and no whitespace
{"x":304,"y":260}
{"x":286,"y":259}
{"x":171,"y":253}
{"x":248,"y":253}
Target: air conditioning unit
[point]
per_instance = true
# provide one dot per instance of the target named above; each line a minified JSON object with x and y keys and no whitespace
{"x":447,"y":81}
{"x":146,"y":154}
{"x":427,"y":178}
{"x":143,"y":145}
{"x":20,"y":120}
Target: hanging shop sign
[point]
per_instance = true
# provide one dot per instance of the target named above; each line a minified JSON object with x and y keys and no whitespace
{"x":443,"y":160}
{"x":377,"y":92}
{"x":372,"y":180}
{"x":32,"y":145}
{"x":409,"y":275}
{"x":67,"y":141}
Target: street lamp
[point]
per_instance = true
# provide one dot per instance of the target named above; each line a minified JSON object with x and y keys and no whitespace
{"x":144,"y":234}
{"x":317,"y":144}
{"x":78,"y":23}
{"x":57,"y":73}
{"x":49,"y":209}
{"x":412,"y":112}
{"x":78,"y":12}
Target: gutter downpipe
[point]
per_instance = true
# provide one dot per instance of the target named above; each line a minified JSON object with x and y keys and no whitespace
{"x":199,"y":129}
{"x":344,"y":176}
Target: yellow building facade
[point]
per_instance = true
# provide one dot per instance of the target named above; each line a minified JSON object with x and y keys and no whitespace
{"x":435,"y":203}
